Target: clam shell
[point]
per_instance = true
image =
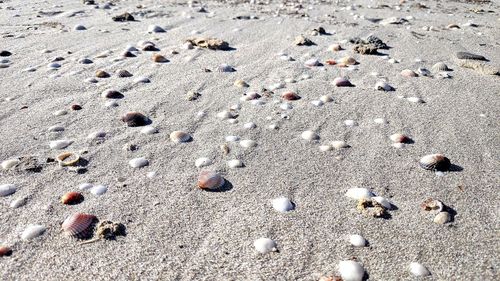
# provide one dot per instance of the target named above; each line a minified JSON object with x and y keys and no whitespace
{"x":210,"y":180}
{"x":312,"y":62}
{"x":180,"y":136}
{"x":78,"y":224}
{"x":111,"y":94}
{"x":342,"y":82}
{"x":348,"y":60}
{"x":442,"y":218}
{"x":32,"y":231}
{"x":135,"y":119}
{"x":241,"y":84}
{"x":7,"y":189}
{"x":5,"y":251}
{"x":98,"y":189}
{"x":440,"y":66}
{"x":309,"y":135}
{"x":248,"y":143}
{"x":351,"y":271}
{"x":138,"y":162}
{"x":60,"y":144}
{"x":123,"y":73}
{"x":290,"y":96}
{"x":9,"y":163}
{"x":335,"y":47}
{"x":235,"y":163}
{"x":470,"y":56}
{"x":409,"y":73}
{"x":155,"y":29}
{"x":339,"y":144}
{"x":357,"y":240}
{"x":149,"y":47}
{"x":232,"y":138}
{"x":16,"y":203}
{"x":149,"y":130}
{"x":436,"y":162}
{"x":383,"y":86}
{"x":326,"y":98}
{"x":399,"y":138}
{"x":159,"y":58}
{"x":225,"y":68}
{"x":418,"y":269}
{"x":128,"y":54}
{"x":79,"y":27}
{"x":202,"y":162}
{"x":324,"y":148}
{"x":85,"y":61}
{"x":359,"y":193}
{"x":142,"y":80}
{"x":265,"y":245}
{"x":282,"y":204}
{"x":250,"y":125}
{"x":68,"y":159}
{"x":72,"y":198}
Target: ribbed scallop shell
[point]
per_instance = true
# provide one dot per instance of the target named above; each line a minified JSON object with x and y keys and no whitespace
{"x":72,"y":198}
{"x":77,"y":225}
{"x":436,"y":162}
{"x":290,"y":96}
{"x":210,"y":180}
{"x":123,"y":73}
{"x":180,"y":136}
{"x":135,"y":119}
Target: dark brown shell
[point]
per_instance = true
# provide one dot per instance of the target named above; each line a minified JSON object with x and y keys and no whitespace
{"x":122,"y":73}
{"x":5,"y":251}
{"x":290,"y":96}
{"x":112,"y":94}
{"x":72,"y":198}
{"x":436,"y":162}
{"x":135,"y":119}
{"x":76,"y":107}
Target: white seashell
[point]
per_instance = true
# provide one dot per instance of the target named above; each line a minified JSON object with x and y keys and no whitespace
{"x":418,"y":269}
{"x":32,"y":231}
{"x":286,"y":106}
{"x":85,"y":186}
{"x":138,"y":162}
{"x":312,"y":62}
{"x":309,"y":135}
{"x":325,"y":148}
{"x":380,"y":121}
{"x":317,"y":103}
{"x":187,"y":46}
{"x":442,"y":218}
{"x":350,"y":123}
{"x":383,"y":86}
{"x":131,"y":48}
{"x":149,"y":130}
{"x":56,"y":129}
{"x":351,"y":271}
{"x":326,"y":98}
{"x":359,"y":193}
{"x":60,"y":144}
{"x":235,"y":106}
{"x":10,"y":163}
{"x":265,"y":245}
{"x":225,"y":115}
{"x":155,"y":29}
{"x":357,"y":240}
{"x":273,"y":127}
{"x":19,"y":202}
{"x":399,"y":145}
{"x":202,"y":162}
{"x":91,"y":80}
{"x":201,"y":114}
{"x":151,"y":175}
{"x":249,"y":125}
{"x":415,"y":100}
{"x":142,"y":79}
{"x":53,"y":65}
{"x":257,"y":102}
{"x":95,"y":135}
{"x":60,"y":112}
{"x":98,"y":189}
{"x":7,"y":189}
{"x":248,"y":143}
{"x":232,"y":121}
{"x":339,"y":144}
{"x":282,"y":204}
{"x":276,"y":86}
{"x":383,"y":201}
{"x":232,"y":138}
{"x":250,"y":96}
{"x":235,"y":163}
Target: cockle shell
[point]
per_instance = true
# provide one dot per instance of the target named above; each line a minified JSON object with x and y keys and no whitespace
{"x":409,"y":73}
{"x":351,"y":271}
{"x":418,"y":269}
{"x":440,"y":66}
{"x":122,"y":73}
{"x":5,"y":251}
{"x":348,"y":60}
{"x":339,"y":144}
{"x":282,"y":204}
{"x":180,"y":136}
{"x":155,"y":29}
{"x":68,"y":159}
{"x":225,"y":68}
{"x":32,"y":231}
{"x":9,"y":163}
{"x":85,"y":61}
{"x":357,"y":240}
{"x":342,"y":82}
{"x":248,"y":143}
{"x":399,"y":138}
{"x":138,"y":162}
{"x":235,"y":163}
{"x":72,"y":198}
{"x":7,"y":189}
{"x":202,"y":162}
{"x":60,"y":144}
{"x":135,"y":119}
{"x":98,"y":189}
{"x":111,"y":94}
{"x":265,"y":245}
{"x":309,"y":135}
{"x":78,"y":224}
{"x":359,"y":193}
{"x":210,"y":180}
{"x":290,"y":96}
{"x":383,"y":86}
{"x":159,"y":58}
{"x":436,"y":162}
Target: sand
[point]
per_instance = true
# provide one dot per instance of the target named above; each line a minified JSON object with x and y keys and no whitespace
{"x":176,"y":231}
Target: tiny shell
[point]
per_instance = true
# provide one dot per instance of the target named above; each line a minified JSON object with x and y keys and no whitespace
{"x":159,"y":58}
{"x":250,"y":96}
{"x":79,"y":27}
{"x":359,"y":193}
{"x":357,"y":240}
{"x":85,"y":186}
{"x":60,"y":112}
{"x":335,"y":47}
{"x":317,"y":103}
{"x":138,"y":162}
{"x":72,"y":198}
{"x":142,"y":80}
{"x":442,"y":218}
{"x":155,"y":29}
{"x":210,"y":180}
{"x":290,"y":96}
{"x":351,"y":271}
{"x":232,"y":138}
{"x":9,"y":163}
{"x":98,"y":189}
{"x":418,"y":269}
{"x":60,"y":144}
{"x":432,"y":205}
{"x":68,"y":159}
{"x":135,"y":119}
{"x":339,"y":144}
{"x":248,"y":143}
{"x":5,"y":251}
{"x":225,"y":68}
{"x":32,"y":231}
{"x":350,"y":123}
{"x":112,"y":94}
{"x":77,"y":224}
{"x":53,"y":65}
{"x":342,"y":82}
{"x":225,"y":115}
{"x":309,"y":135}
{"x":380,"y":121}
{"x":326,"y":98}
{"x":469,"y":56}
{"x":123,"y":73}
{"x":399,"y":138}
{"x":16,"y":203}
{"x":312,"y":62}
{"x":241,"y":84}
{"x":282,"y":204}
{"x":180,"y":136}
{"x":409,"y":73}
{"x":202,"y":162}
{"x":249,"y":125}
{"x":325,"y":148}
{"x":436,"y":162}
{"x":415,"y":100}
{"x":265,"y":245}
{"x":383,"y":86}
{"x":440,"y":66}
{"x":85,"y":61}
{"x":7,"y":189}
{"x":235,"y":163}
{"x":348,"y":60}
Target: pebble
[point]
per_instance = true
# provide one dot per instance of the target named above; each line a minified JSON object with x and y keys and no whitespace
{"x":7,"y":189}
{"x":442,"y":218}
{"x":350,"y":123}
{"x":265,"y":245}
{"x":232,"y":138}
{"x":235,"y":163}
{"x":351,"y":271}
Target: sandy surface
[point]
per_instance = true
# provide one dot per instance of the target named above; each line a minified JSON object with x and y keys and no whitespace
{"x":176,"y":231}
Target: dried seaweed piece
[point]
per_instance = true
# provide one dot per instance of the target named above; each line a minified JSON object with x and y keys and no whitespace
{"x":209,"y":43}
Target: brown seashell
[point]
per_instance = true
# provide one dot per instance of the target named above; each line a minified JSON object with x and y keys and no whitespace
{"x":101,"y":74}
{"x":209,"y":43}
{"x":409,"y":73}
{"x":112,"y":94}
{"x":5,"y":251}
{"x":303,"y":41}
{"x":331,"y":62}
{"x":290,"y":96}
{"x":76,"y":107}
{"x":159,"y":58}
{"x":68,"y":159}
{"x":72,"y":198}
{"x":241,"y":84}
{"x":78,"y":225}
{"x":436,"y":162}
{"x":135,"y":119}
{"x":210,"y":180}
{"x":123,"y":73}
{"x":399,"y":138}
{"x":453,"y":25}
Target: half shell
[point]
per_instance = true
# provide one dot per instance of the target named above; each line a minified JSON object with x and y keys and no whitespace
{"x":77,"y":225}
{"x":180,"y":136}
{"x":72,"y":198}
{"x":68,"y":159}
{"x":265,"y":245}
{"x":210,"y":180}
{"x":436,"y":162}
{"x":33,"y":231}
{"x":135,"y":119}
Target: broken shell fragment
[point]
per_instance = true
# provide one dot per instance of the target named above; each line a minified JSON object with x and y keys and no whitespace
{"x":265,"y":245}
{"x":436,"y":162}
{"x":77,"y":225}
{"x":72,"y":198}
{"x":179,"y":136}
{"x":432,"y":205}
{"x":358,"y":193}
{"x":60,"y":144}
{"x":135,"y":119}
{"x":339,"y":144}
{"x":68,"y":159}
{"x":159,"y":58}
{"x":10,"y":163}
{"x":210,"y":180}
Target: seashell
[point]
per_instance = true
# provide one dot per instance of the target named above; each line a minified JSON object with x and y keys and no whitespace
{"x":339,"y":144}
{"x":290,"y":96}
{"x":225,"y":68}
{"x":432,"y":205}
{"x":249,"y":125}
{"x":342,"y":82}
{"x":232,"y":138}
{"x":53,"y":65}
{"x":112,"y":94}
{"x":409,"y":73}
{"x":415,"y":100}
{"x":85,"y":186}
{"x":265,"y":245}
{"x":202,"y":162}
{"x":380,"y":121}
{"x":317,"y":103}
{"x":76,"y":107}
{"x":335,"y":47}
{"x":210,"y":180}
{"x":159,"y":58}
{"x":72,"y":198}
{"x":453,"y":26}
{"x":359,"y":193}
{"x":138,"y":162}
{"x":123,"y":73}
{"x":78,"y":224}
{"x":79,"y":27}
{"x":248,"y":143}
{"x":324,"y":148}
{"x":235,"y":163}
{"x":312,"y":62}
{"x":155,"y":29}
{"x":91,"y":80}
{"x":7,"y":189}
{"x":350,"y":123}
{"x":131,"y":48}
{"x":10,"y":163}
{"x":60,"y":112}
{"x":423,"y":71}
{"x":135,"y":119}
{"x":32,"y":231}
{"x":326,"y":98}
{"x":276,"y":86}
{"x":98,"y":189}
{"x":5,"y":53}
{"x":469,"y":56}
{"x":225,"y":115}
{"x":179,"y":136}
{"x":436,"y":162}
{"x":5,"y":251}
{"x":383,"y":86}
{"x":442,"y":218}
{"x":60,"y":144}
{"x":282,"y":204}
{"x":418,"y":269}
{"x":351,"y":271}
{"x":68,"y":159}
{"x":348,"y":61}
{"x":309,"y":135}
{"x":85,"y":61}
{"x":250,"y":96}
{"x":149,"y":130}
{"x":19,"y":202}
{"x":241,"y":84}
{"x":440,"y":66}
{"x":142,"y":80}
{"x":399,"y":138}
{"x":95,"y":135}
{"x":149,"y":47}
{"x":128,"y":54}
{"x":383,"y":201}
{"x":357,"y":240}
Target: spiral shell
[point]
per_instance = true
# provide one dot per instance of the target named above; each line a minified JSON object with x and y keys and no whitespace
{"x":135,"y":119}
{"x":210,"y":180}
{"x":78,"y":224}
{"x":436,"y":162}
{"x":72,"y":198}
